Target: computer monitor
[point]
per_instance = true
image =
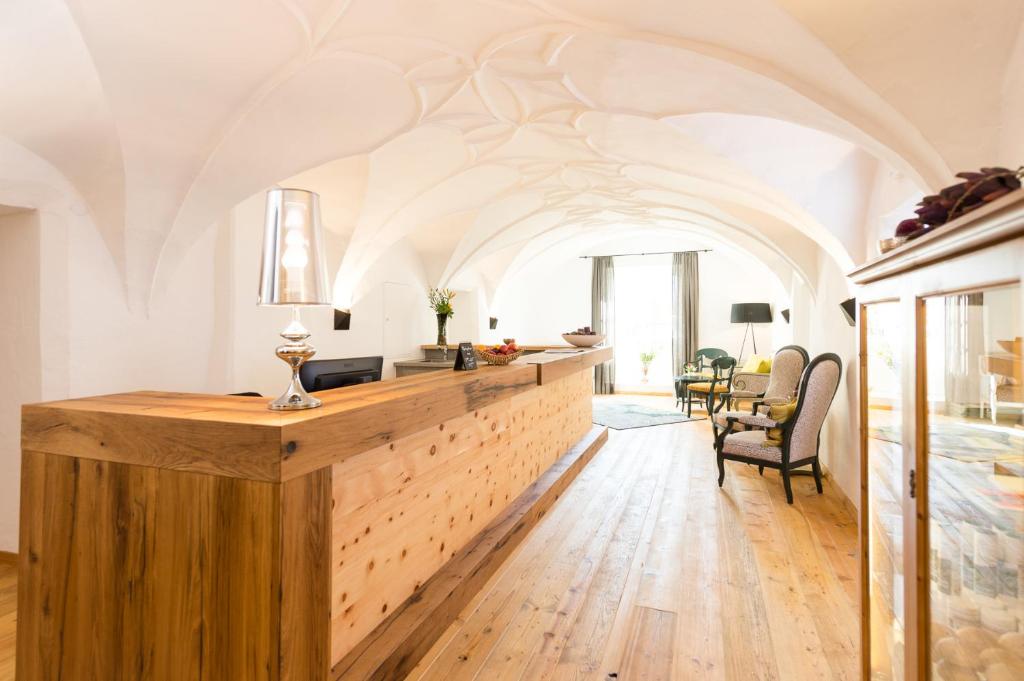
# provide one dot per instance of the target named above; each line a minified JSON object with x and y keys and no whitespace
{"x":324,"y":374}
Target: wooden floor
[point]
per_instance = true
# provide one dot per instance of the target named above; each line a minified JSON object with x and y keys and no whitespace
{"x":8,"y":607}
{"x":645,"y":570}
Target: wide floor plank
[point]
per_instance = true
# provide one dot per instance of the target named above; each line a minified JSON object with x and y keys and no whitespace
{"x":8,"y":610}
{"x":649,"y":653}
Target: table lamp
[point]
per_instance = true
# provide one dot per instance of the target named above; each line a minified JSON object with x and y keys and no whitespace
{"x":293,"y":272}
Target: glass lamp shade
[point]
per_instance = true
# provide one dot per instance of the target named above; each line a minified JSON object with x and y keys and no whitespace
{"x":294,"y":269}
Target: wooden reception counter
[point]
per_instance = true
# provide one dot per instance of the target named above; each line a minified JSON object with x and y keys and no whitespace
{"x":173,"y":536}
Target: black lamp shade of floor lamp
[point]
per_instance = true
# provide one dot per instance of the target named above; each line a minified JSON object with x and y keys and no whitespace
{"x":750,"y":314}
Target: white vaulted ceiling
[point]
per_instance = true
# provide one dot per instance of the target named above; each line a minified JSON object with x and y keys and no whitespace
{"x":480,"y":129}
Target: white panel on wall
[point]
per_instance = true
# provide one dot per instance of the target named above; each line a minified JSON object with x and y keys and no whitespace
{"x":400,"y":302}
{"x":462,"y":327}
{"x":19,"y":354}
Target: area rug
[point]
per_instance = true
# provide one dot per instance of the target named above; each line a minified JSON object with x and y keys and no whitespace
{"x":626,"y":415}
{"x":973,"y":442}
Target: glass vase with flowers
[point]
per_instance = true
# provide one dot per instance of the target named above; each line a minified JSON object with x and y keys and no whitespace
{"x":441,"y":304}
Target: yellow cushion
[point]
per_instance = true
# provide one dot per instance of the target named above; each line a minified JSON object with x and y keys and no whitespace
{"x":780,"y":413}
{"x":757,"y":364}
{"x":706,"y":387}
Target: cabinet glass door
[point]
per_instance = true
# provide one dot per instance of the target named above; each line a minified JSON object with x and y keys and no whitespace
{"x":882,"y":347}
{"x":975,"y":466}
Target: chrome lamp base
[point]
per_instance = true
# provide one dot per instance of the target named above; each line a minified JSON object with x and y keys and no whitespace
{"x":294,"y":353}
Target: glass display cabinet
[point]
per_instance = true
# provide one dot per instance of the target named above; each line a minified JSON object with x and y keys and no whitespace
{"x":941,"y":321}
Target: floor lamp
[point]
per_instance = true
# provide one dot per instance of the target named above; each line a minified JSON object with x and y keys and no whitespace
{"x":750,"y":314}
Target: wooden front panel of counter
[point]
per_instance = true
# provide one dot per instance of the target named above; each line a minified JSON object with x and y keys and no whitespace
{"x":402,"y":510}
{"x":134,"y":572}
{"x":151,"y":550}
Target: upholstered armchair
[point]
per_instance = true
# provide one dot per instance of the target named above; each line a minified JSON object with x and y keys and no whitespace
{"x":747,"y":386}
{"x":780,"y":385}
{"x":798,"y":438}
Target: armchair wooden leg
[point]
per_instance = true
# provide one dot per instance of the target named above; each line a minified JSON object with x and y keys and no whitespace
{"x":721,"y":470}
{"x":760,"y":470}
{"x":816,"y":467}
{"x":785,"y":483}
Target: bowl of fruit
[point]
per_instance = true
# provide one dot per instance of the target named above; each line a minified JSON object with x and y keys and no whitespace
{"x":502,"y":354}
{"x":583,"y":338}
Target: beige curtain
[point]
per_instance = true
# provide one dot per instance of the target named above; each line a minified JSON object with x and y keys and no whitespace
{"x":602,"y":318}
{"x":965,"y":340}
{"x":685,"y":309}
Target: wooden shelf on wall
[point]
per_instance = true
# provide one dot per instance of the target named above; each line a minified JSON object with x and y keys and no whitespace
{"x":999,"y":221}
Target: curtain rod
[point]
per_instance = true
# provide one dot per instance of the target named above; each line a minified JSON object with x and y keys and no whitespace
{"x":621,"y":255}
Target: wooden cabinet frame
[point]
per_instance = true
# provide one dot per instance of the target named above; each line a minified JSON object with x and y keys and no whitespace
{"x":983,"y":250}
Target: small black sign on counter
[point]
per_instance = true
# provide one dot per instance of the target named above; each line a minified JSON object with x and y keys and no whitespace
{"x":465,"y":358}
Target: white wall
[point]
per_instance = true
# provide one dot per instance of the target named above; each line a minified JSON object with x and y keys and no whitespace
{"x":725,"y":280}
{"x":67,"y":319}
{"x":828,"y":331}
{"x":175,"y":346}
{"x":552,"y":295}
{"x":19,"y":354}
{"x":542,"y":301}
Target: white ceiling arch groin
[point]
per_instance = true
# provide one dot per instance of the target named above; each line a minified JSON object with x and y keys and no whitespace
{"x":165,"y":115}
{"x":799,"y":254}
{"x":736,"y":243}
{"x":31,"y":182}
{"x":570,"y":241}
{"x":55,"y":109}
{"x":530,"y":183}
{"x":519,"y":255}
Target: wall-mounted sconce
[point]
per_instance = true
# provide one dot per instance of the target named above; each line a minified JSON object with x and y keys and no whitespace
{"x":849,"y":308}
{"x":785,"y":315}
{"x":342,"y":319}
{"x":493,"y":322}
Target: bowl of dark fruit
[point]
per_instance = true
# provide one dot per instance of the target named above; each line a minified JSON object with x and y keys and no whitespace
{"x":583,"y":337}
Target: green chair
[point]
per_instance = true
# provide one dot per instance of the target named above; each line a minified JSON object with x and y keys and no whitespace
{"x":703,"y":357}
{"x":720,"y":383}
{"x":702,"y":360}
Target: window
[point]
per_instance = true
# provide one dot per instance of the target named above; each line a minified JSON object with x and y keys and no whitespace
{"x":643,"y":322}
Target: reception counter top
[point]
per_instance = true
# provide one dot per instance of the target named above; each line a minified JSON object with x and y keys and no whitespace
{"x":202,"y":536}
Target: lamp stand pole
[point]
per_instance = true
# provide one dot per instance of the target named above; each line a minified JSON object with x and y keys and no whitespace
{"x":294,"y":353}
{"x":753,"y":337}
